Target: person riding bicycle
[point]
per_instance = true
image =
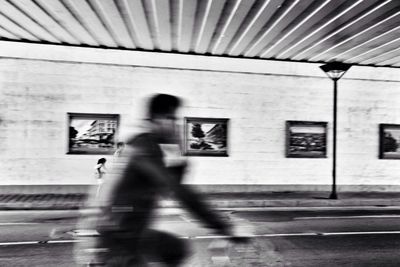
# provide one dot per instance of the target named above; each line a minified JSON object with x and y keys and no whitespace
{"x":129,"y":194}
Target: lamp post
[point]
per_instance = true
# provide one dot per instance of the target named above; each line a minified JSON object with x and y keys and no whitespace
{"x":335,"y":71}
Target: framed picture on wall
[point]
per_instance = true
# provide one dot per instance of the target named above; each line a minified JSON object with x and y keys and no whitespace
{"x":389,"y":141}
{"x":306,"y":139}
{"x":206,"y":137}
{"x":92,"y":133}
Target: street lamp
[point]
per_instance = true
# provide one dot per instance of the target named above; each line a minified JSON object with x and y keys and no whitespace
{"x":335,"y":71}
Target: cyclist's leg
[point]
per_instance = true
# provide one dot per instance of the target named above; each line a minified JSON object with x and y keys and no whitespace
{"x":123,"y":250}
{"x":164,"y":247}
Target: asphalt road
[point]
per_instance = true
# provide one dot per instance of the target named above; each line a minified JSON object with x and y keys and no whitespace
{"x":288,"y":237}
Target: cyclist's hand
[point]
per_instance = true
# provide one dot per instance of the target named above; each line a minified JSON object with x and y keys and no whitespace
{"x":240,"y":234}
{"x":240,"y":239}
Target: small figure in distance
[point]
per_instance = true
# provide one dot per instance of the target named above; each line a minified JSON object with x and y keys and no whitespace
{"x":99,"y":172}
{"x":118,"y":151}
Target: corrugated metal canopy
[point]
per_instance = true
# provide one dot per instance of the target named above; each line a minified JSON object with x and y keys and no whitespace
{"x":360,"y":32}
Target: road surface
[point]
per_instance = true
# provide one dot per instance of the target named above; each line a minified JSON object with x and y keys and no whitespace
{"x":280,"y":237}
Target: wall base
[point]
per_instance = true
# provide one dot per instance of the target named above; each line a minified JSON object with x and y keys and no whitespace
{"x":44,"y":189}
{"x":255,"y":188}
{"x":82,"y":189}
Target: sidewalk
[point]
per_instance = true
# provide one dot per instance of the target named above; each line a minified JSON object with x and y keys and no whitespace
{"x":220,"y":200}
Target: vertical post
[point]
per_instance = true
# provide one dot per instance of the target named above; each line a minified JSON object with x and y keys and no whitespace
{"x":333,"y":192}
{"x":334,"y":70}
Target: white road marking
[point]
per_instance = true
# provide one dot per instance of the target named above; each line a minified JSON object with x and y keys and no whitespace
{"x":362,"y":233}
{"x":250,"y":236}
{"x":16,"y":223}
{"x":17,"y":243}
{"x":219,"y":236}
{"x":312,"y":208}
{"x":63,"y":241}
{"x":349,"y":217}
{"x":302,"y":234}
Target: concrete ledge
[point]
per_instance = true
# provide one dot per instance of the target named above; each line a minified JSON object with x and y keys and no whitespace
{"x":44,"y":189}
{"x":43,"y":206}
{"x":298,"y":199}
{"x":220,"y":204}
{"x":206,"y":188}
{"x":292,"y":203}
{"x":268,"y":188}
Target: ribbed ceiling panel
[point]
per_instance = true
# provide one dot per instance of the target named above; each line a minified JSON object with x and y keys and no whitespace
{"x":361,"y":32}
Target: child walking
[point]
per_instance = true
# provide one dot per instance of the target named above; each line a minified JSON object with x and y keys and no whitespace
{"x":100,"y":171}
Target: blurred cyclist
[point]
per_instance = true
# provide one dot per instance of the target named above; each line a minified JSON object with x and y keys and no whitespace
{"x":129,"y":194}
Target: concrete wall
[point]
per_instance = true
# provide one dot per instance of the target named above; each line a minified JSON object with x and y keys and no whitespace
{"x":37,"y":92}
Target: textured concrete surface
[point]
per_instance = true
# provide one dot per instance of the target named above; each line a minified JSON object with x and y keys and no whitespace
{"x":225,"y":200}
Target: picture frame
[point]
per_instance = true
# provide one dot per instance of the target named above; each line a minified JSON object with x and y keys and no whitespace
{"x":306,"y":139}
{"x":92,"y":133}
{"x":389,"y":141}
{"x":205,"y":137}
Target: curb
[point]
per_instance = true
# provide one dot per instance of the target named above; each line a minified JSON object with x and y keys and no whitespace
{"x":257,"y":203}
{"x":40,"y":206}
{"x":290,"y":203}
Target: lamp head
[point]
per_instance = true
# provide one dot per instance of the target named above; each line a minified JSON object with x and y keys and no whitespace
{"x":335,"y":70}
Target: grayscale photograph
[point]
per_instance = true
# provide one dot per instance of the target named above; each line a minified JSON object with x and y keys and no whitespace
{"x":306,"y":139}
{"x":389,"y":141}
{"x":206,"y":137}
{"x":92,"y":133}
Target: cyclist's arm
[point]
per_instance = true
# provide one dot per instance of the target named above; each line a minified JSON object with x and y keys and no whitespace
{"x":190,"y":199}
